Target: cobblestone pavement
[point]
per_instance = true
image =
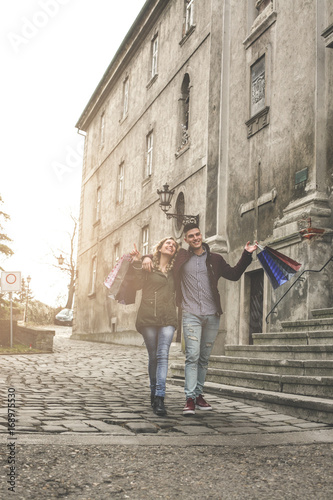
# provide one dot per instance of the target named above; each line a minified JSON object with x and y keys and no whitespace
{"x":84,"y":430}
{"x":86,"y":387}
{"x":94,"y":388}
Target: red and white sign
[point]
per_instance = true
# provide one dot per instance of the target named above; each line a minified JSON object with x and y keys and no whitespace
{"x":11,"y":282}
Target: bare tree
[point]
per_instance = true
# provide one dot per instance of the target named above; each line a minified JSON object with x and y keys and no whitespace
{"x":67,"y":264}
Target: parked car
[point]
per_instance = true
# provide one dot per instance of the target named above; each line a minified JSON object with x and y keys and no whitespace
{"x":64,"y":317}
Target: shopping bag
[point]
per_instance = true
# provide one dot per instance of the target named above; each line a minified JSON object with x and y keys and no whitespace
{"x":116,"y":277}
{"x":278,"y":267}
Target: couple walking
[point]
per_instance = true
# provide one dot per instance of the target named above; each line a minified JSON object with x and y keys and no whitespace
{"x":186,"y":278}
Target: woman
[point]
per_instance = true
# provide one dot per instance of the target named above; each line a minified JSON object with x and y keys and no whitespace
{"x":157,"y":317}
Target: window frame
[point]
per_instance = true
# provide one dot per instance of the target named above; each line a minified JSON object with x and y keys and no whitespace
{"x":121,"y":183}
{"x":93,"y":277}
{"x":98,"y":205}
{"x":189,"y":16}
{"x":145,"y":240}
{"x":125,"y":97}
{"x":184,"y":139}
{"x":116,"y":252}
{"x":260,"y":118}
{"x":154,"y":56}
{"x":102,"y":129}
{"x":149,"y":153}
{"x":261,"y":60}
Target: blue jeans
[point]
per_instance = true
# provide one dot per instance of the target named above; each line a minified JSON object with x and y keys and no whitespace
{"x":158,"y":341}
{"x":200,"y":333}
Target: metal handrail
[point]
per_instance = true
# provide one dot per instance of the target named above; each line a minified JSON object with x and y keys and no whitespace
{"x":299,"y":277}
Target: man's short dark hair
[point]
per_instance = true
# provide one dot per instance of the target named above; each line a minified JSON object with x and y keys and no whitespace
{"x":189,"y":226}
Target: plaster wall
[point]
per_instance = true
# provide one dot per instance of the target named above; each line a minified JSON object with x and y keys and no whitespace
{"x":298,"y":92}
{"x":153,"y":106}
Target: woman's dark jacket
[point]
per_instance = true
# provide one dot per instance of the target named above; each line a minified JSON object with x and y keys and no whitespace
{"x":217,"y":267}
{"x":158,"y":307}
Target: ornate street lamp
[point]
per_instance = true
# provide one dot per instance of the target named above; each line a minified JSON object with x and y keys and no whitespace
{"x":61,"y":260}
{"x":70,"y":269}
{"x":165,"y":203}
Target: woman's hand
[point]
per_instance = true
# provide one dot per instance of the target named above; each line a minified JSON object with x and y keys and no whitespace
{"x":135,"y":254}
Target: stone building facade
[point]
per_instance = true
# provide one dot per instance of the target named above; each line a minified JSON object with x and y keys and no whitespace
{"x":230,"y":103}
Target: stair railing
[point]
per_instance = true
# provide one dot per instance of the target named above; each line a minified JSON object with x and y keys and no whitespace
{"x":298,"y":279}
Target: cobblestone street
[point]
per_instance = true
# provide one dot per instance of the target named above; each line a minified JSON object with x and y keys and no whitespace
{"x":97,"y":395}
{"x":103,"y":388}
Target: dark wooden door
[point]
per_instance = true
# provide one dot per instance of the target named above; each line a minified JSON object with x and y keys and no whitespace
{"x":256,"y":302}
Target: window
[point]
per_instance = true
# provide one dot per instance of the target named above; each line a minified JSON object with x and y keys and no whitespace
{"x":258,"y":86}
{"x":189,"y":15}
{"x":116,"y":252}
{"x":259,"y":96}
{"x":145,"y":240}
{"x":180,"y":210}
{"x":102,"y":130}
{"x":98,"y":205}
{"x":154,"y":54}
{"x":120,"y":195}
{"x":184,"y":112}
{"x":149,"y":163}
{"x":93,"y":275}
{"x":125,"y":96}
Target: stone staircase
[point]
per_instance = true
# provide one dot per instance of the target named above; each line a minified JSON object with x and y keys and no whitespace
{"x":289,"y":371}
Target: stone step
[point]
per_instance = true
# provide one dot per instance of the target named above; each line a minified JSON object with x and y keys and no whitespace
{"x":302,"y":352}
{"x":318,"y":323}
{"x":301,"y":385}
{"x":311,"y":408}
{"x":323,"y":313}
{"x":316,"y":337}
{"x":277,"y":366}
{"x":291,"y":384}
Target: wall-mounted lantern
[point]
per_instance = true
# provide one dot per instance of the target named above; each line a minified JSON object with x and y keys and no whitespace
{"x":166,"y":195}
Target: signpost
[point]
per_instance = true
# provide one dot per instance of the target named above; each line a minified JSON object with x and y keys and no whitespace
{"x":11,"y":282}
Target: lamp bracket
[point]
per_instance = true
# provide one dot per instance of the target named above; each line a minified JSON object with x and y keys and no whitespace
{"x":185,"y":219}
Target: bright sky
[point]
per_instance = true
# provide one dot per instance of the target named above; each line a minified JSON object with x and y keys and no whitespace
{"x":53,"y":55}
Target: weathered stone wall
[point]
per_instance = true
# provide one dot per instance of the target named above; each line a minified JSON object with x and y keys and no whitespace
{"x":154,"y":107}
{"x":35,"y":337}
{"x":235,"y":162}
{"x":298,"y":92}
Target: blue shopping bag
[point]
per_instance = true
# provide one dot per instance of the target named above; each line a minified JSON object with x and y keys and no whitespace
{"x":278,"y":267}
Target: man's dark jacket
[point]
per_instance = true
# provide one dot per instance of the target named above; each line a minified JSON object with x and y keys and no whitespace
{"x":217,"y":267}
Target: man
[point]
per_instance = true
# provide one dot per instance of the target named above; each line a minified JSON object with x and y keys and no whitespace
{"x":197,"y":271}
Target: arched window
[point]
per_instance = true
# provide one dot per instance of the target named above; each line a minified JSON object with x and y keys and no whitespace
{"x":184,"y":111}
{"x":180,"y":210}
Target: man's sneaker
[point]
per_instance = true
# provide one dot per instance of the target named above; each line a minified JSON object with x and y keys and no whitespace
{"x":201,"y":404}
{"x":189,"y":408}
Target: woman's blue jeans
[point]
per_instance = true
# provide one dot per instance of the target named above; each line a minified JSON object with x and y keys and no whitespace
{"x":200,"y":333}
{"x":158,"y":341}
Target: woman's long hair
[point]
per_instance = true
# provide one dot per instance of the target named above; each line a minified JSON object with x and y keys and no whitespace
{"x":157,"y":254}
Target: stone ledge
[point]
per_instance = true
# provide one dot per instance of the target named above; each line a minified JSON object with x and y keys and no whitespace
{"x":37,"y":338}
{"x":301,"y":352}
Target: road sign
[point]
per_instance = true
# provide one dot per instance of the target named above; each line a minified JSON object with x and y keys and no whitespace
{"x":11,"y":281}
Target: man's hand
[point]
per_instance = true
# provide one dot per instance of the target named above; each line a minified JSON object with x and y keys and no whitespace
{"x":251,"y":248}
{"x":147,"y":264}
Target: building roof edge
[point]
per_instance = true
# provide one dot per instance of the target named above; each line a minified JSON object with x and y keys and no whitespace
{"x":120,"y":54}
